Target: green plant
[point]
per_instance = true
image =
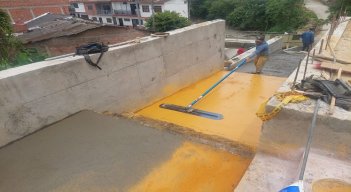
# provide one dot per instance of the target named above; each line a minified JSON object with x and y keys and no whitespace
{"x":12,"y":53}
{"x":8,"y":43}
{"x":198,"y":9}
{"x":249,"y":14}
{"x":337,"y":6}
{"x":22,"y":57}
{"x":166,"y":21}
{"x":264,"y":15}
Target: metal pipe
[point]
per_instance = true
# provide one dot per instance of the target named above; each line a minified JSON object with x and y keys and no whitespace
{"x":308,"y":57}
{"x":321,"y":47}
{"x":297,"y":73}
{"x":309,"y":141}
{"x":242,"y":62}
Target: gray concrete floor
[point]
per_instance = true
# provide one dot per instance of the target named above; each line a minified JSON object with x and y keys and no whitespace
{"x":279,"y":64}
{"x":93,"y":150}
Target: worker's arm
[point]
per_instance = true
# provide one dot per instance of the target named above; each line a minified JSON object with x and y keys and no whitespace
{"x":250,"y":57}
{"x":258,"y":50}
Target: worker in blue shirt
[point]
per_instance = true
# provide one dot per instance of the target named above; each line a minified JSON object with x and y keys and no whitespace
{"x":260,"y":55}
{"x":307,"y":40}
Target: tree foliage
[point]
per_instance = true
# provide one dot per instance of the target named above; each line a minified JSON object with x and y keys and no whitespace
{"x":8,"y":43}
{"x":337,"y":6}
{"x":268,"y":15}
{"x":286,"y":14}
{"x":166,"y":21}
{"x":12,"y":52}
{"x":249,"y":14}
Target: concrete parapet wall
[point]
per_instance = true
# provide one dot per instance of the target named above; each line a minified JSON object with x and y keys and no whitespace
{"x":275,"y":44}
{"x":132,"y":77}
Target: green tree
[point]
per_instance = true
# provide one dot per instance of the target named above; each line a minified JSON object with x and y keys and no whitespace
{"x":285,"y":14}
{"x":166,"y":21}
{"x":12,"y":52}
{"x":267,"y":15}
{"x":8,"y":43}
{"x":198,"y":9}
{"x":249,"y":14}
{"x":337,"y":6}
{"x":219,"y":9}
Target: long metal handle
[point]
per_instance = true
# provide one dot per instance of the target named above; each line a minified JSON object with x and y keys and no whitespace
{"x":216,"y":84}
{"x":309,"y":141}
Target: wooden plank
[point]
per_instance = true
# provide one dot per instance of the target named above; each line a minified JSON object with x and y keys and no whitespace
{"x":332,"y":59}
{"x":336,"y":66}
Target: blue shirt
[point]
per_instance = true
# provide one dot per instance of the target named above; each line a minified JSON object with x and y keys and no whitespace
{"x":262,"y":49}
{"x":307,"y":37}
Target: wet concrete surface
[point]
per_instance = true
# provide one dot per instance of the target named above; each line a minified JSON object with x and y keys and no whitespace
{"x":93,"y":152}
{"x":237,"y":99}
{"x":86,"y":151}
{"x":279,"y":64}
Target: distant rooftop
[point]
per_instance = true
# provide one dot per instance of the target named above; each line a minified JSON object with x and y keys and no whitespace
{"x":52,"y":25}
{"x":46,"y":17}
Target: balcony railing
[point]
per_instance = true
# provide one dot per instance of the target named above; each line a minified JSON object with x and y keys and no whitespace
{"x":123,"y":12}
{"x":104,"y":12}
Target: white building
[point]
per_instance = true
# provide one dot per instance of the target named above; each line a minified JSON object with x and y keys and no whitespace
{"x":125,"y":12}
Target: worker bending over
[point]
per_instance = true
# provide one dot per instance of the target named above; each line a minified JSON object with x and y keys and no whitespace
{"x":260,"y":56}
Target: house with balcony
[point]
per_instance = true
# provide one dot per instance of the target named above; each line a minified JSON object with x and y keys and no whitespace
{"x":125,"y":12}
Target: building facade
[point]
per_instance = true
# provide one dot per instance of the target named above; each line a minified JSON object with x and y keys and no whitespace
{"x":125,"y":12}
{"x":21,"y":11}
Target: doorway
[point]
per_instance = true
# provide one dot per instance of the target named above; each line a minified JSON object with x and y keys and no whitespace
{"x":120,"y":22}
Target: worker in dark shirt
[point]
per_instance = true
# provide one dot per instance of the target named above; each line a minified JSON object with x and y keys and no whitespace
{"x":307,"y":40}
{"x":260,"y":55}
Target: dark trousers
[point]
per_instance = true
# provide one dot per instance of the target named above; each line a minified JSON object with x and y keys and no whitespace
{"x":306,"y":46}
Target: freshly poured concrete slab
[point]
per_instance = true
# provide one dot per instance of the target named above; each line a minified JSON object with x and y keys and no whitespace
{"x":93,"y":152}
{"x":208,"y":170}
{"x":279,"y":64}
{"x":330,"y":153}
{"x":237,"y":98}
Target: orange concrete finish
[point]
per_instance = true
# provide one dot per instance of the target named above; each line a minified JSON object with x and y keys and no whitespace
{"x":237,"y":98}
{"x":331,"y":185}
{"x":195,"y":167}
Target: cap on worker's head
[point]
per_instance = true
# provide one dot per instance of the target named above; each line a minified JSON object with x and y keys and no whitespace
{"x":311,"y":29}
{"x":260,"y":38}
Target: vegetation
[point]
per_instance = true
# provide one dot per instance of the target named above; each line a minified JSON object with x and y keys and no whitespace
{"x":340,"y":6}
{"x":264,"y":15}
{"x":166,"y":21}
{"x":12,"y":52}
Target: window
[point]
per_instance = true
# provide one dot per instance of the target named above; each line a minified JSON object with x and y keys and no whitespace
{"x":126,"y":19}
{"x":108,"y":20}
{"x":84,"y":17}
{"x":75,"y":5}
{"x":157,"y":9}
{"x":94,"y":18}
{"x":146,"y":8}
{"x":90,"y":7}
{"x":106,"y":7}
